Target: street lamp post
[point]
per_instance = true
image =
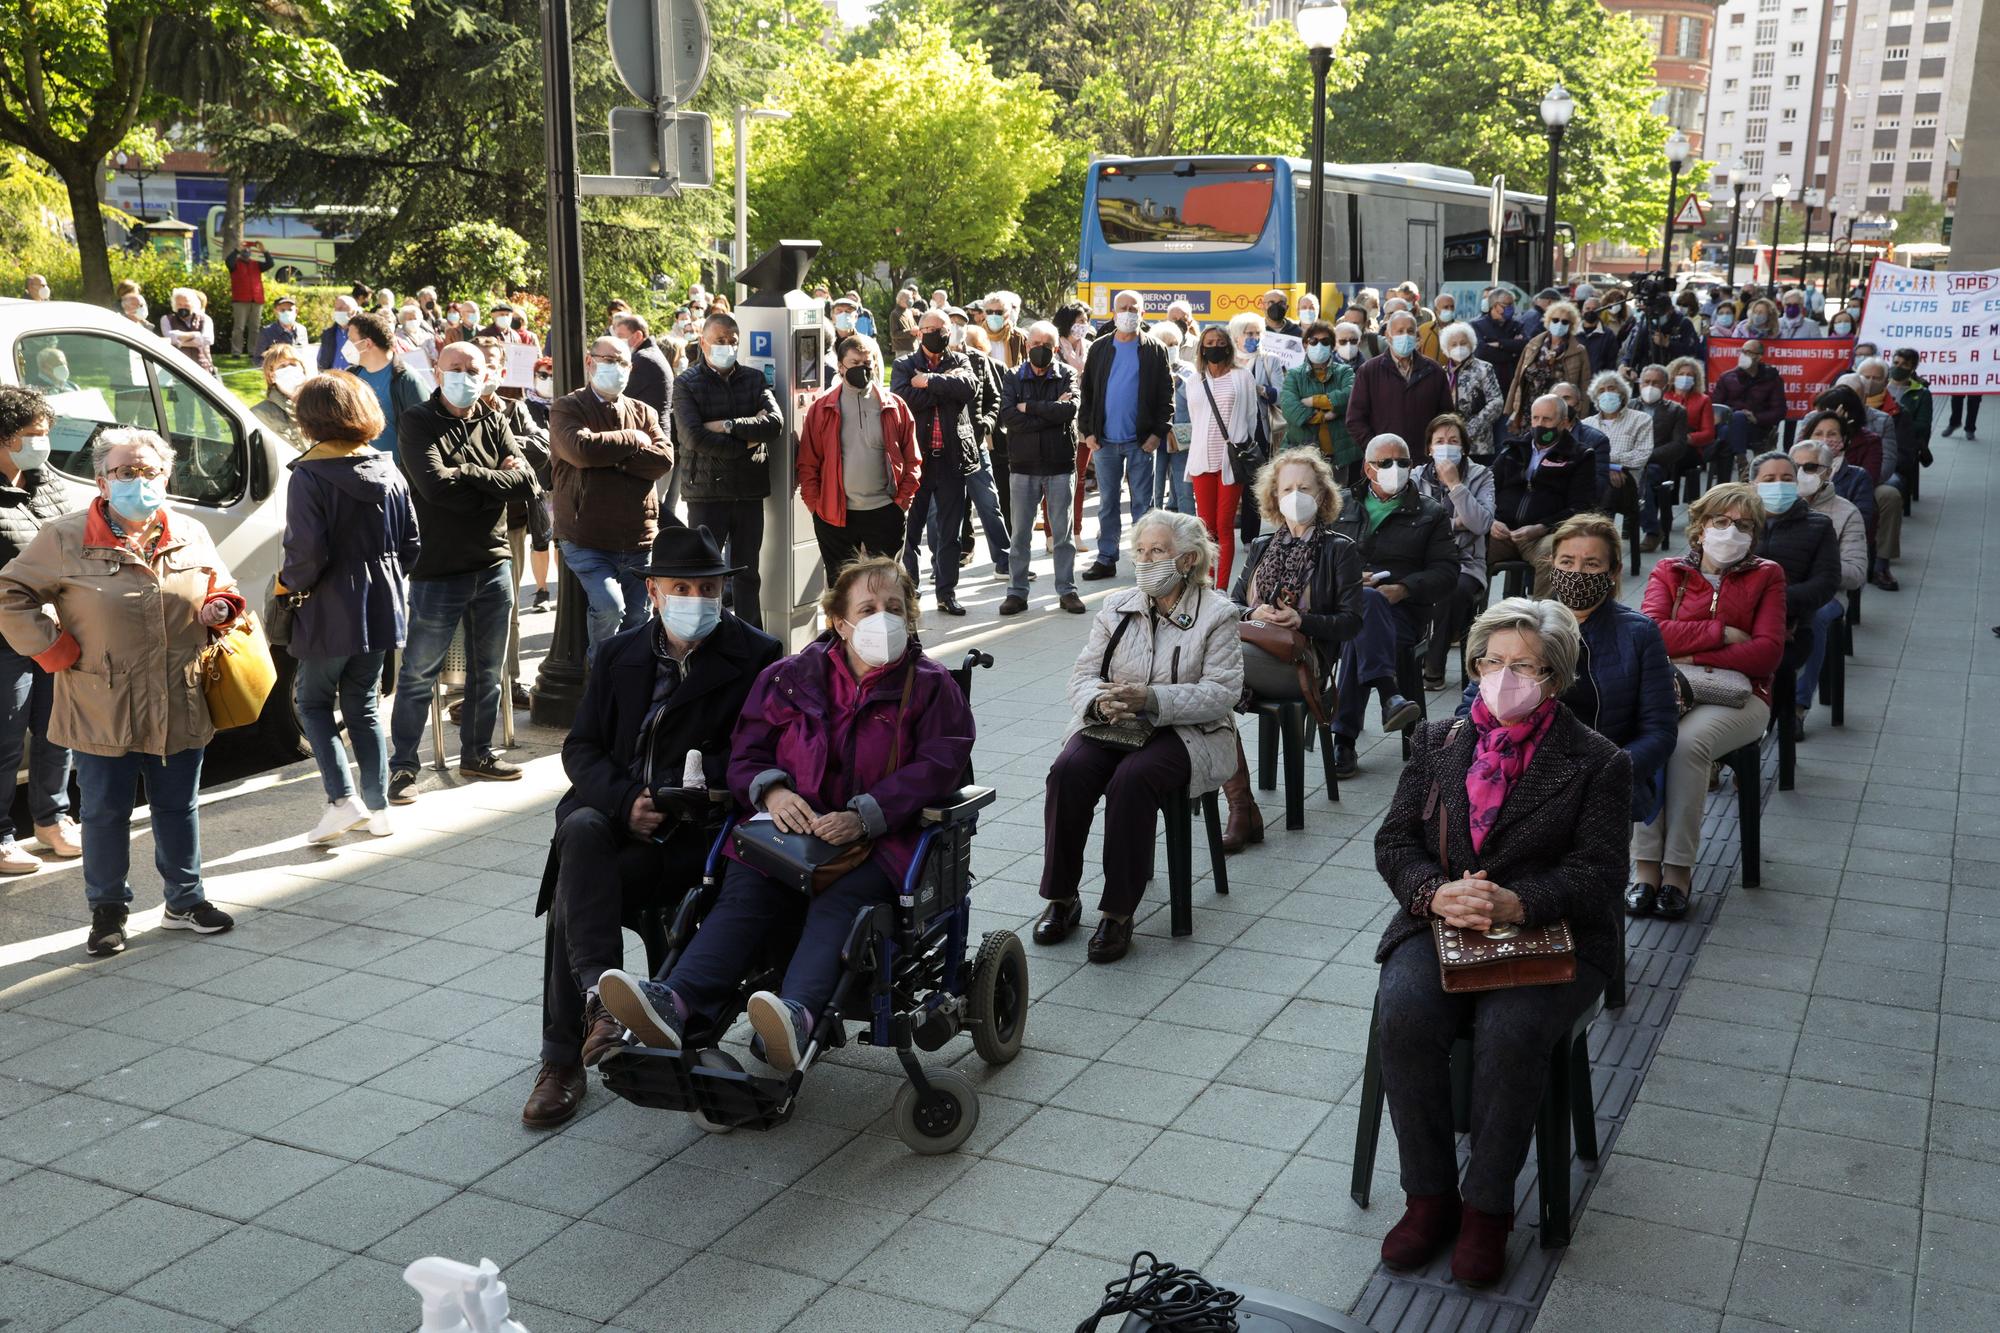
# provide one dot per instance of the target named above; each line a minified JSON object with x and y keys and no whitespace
{"x":1677,"y":156}
{"x":1781,"y":190}
{"x":739,"y":255}
{"x":1320,"y":24}
{"x":1557,"y":108}
{"x":135,"y":166}
{"x":1826,"y":269}
{"x":1814,"y":200}
{"x":1736,"y":184}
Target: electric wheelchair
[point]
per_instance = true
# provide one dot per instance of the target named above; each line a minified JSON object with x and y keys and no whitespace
{"x":906,"y":983}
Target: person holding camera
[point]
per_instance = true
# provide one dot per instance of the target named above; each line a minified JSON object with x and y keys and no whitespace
{"x":658,"y":696}
{"x":1661,"y":336}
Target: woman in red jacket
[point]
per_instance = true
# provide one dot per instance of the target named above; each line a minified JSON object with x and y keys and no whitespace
{"x":1687,"y":384}
{"x":1723,"y":608}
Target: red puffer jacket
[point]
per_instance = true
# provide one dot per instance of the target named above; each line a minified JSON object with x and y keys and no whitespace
{"x":1692,"y":615}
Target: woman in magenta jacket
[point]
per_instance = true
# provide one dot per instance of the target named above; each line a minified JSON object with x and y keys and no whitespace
{"x":1718,"y":606}
{"x":849,"y":739}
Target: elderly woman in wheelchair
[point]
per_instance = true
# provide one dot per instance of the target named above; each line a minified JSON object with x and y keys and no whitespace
{"x":851,"y":754}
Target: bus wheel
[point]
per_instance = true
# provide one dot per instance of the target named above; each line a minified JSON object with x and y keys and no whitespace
{"x":287,"y":274}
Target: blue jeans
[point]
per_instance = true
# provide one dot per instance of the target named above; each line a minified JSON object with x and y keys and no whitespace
{"x":355,"y":681}
{"x":985,"y":500}
{"x":1025,"y":494}
{"x":1822,"y":631}
{"x":612,"y":585}
{"x":108,"y":787}
{"x":25,"y":694}
{"x":1170,"y":484}
{"x":744,"y":912}
{"x":485,"y":601}
{"x":1117,"y":461}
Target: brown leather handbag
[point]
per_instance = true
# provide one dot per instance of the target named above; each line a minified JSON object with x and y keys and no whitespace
{"x":1505,"y":956}
{"x":1293,"y":648}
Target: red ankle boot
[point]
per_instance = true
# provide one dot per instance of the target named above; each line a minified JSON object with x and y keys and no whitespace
{"x":1481,"y":1254}
{"x":1429,"y":1222}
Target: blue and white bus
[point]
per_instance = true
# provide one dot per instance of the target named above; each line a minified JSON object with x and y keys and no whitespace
{"x":1219,"y":232}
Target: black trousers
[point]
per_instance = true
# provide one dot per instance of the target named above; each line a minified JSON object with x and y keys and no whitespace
{"x":739,"y":524}
{"x":603,"y":876}
{"x":1964,"y":407}
{"x":875,"y":531}
{"x":1132,"y":783}
{"x":1512,"y":1033}
{"x":943,"y":485}
{"x":1449,"y":619}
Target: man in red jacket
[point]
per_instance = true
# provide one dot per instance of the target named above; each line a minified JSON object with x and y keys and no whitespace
{"x":247,"y":265}
{"x":858,"y":464}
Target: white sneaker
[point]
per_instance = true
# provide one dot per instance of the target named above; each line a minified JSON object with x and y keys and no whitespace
{"x":64,"y":838}
{"x":338,"y":819}
{"x":378,"y":824}
{"x":17,"y":860}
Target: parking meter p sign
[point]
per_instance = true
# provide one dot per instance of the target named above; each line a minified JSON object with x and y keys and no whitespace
{"x":660,"y":48}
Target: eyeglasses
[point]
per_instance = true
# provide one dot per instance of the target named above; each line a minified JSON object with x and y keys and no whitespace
{"x":1522,"y":670}
{"x":136,"y":472}
{"x":1740,"y":524}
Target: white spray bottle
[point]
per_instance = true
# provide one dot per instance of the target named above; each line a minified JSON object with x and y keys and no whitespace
{"x":459,"y":1298}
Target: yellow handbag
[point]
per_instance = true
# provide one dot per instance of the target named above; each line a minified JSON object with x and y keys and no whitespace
{"x":237,"y":674}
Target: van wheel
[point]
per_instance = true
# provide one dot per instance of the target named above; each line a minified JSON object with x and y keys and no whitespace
{"x":279,"y":729}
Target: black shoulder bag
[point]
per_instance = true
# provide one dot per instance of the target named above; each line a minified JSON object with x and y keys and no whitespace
{"x":1245,"y":456}
{"x":1126,"y":734}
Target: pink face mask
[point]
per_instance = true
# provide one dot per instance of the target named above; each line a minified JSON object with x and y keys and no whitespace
{"x":1507,"y":696}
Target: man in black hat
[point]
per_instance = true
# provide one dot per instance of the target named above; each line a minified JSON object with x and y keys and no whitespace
{"x":657,"y":696}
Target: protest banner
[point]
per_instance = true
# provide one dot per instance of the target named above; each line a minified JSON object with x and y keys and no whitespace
{"x":1289,"y":350}
{"x":520,"y":372}
{"x":1809,"y":366}
{"x":1951,"y":317}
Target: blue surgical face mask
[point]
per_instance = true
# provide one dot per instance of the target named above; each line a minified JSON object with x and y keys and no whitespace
{"x":722,"y":356}
{"x":1319,"y":353}
{"x":609,"y":378}
{"x":1610,"y":403}
{"x":1683,"y":383}
{"x":1559,"y":327}
{"x":461,"y":388}
{"x":138,"y":499}
{"x":1777,"y":495}
{"x":996,"y":322}
{"x":1403,"y":344}
{"x":1250,"y":343}
{"x":691,"y":619}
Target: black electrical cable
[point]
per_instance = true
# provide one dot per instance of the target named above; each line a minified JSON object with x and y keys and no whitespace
{"x":1171,"y":1298}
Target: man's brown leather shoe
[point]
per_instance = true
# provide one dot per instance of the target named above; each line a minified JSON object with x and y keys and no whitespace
{"x":557,"y":1096}
{"x":602,"y":1034}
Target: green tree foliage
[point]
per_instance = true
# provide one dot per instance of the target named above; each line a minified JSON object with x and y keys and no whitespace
{"x":1920,"y":220}
{"x":1460,"y":83}
{"x":935,"y":173}
{"x":76,"y":77}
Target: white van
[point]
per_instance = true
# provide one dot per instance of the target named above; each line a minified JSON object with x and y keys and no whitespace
{"x":229,"y":471}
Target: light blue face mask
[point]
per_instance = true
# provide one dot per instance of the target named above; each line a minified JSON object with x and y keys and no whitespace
{"x":1610,"y":404}
{"x":1403,"y":344}
{"x":691,"y":619}
{"x":1559,"y":327}
{"x":460,"y":388}
{"x":609,"y":378}
{"x":138,"y":499}
{"x":1319,"y":353}
{"x":722,"y":356}
{"x":1777,"y":496}
{"x":996,"y":322}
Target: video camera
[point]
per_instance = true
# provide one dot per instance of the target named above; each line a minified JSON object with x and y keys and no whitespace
{"x":1654,"y":294}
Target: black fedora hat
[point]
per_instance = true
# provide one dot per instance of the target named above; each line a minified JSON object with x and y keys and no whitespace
{"x":681,"y":552}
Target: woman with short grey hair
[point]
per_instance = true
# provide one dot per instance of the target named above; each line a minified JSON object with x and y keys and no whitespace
{"x":1475,"y":389}
{"x":1515,"y":816}
{"x":1152,"y":700}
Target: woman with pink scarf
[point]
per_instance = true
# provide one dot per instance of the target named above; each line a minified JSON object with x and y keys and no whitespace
{"x":1517,"y":815}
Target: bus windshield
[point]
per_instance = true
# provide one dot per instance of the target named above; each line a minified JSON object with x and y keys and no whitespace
{"x":1149,"y":207}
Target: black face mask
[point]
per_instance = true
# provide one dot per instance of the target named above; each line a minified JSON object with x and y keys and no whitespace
{"x":1039,"y":357}
{"x":1901,"y":374}
{"x":935,"y":341}
{"x":1545,"y":437}
{"x":1216,"y":356}
{"x":1277,"y":309}
{"x":857,"y":376}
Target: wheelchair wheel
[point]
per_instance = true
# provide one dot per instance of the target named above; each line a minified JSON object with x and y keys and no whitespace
{"x":940,"y":1122}
{"x":712,"y":1057}
{"x":998,"y":997}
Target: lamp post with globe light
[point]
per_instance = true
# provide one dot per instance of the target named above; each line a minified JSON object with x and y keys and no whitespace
{"x":1557,"y":108}
{"x":1781,"y":190}
{"x":1814,"y":200}
{"x":1320,"y":24}
{"x":1677,"y":155}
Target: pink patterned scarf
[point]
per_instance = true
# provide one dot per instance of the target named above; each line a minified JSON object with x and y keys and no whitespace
{"x":1500,"y":759}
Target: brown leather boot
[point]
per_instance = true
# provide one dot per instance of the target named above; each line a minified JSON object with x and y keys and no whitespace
{"x":558,"y":1094}
{"x":1246,"y":822}
{"x":1427,"y":1226}
{"x":602,"y":1034}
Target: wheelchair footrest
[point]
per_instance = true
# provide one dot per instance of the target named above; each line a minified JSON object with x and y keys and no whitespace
{"x":685,"y":1081}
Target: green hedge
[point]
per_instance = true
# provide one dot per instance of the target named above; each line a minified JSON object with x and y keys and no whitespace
{"x":157,"y":275}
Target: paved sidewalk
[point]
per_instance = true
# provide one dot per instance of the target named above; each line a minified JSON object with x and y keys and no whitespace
{"x":257,"y":1131}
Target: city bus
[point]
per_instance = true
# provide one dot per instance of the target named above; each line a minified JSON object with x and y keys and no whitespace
{"x":305,"y":243}
{"x":1218,"y":232}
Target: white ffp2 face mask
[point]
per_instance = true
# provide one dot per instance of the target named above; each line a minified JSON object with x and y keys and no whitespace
{"x":880,"y":639}
{"x":1298,"y":506}
{"x":1391,"y":476}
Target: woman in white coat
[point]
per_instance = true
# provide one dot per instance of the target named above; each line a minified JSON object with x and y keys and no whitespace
{"x":1152,"y":703}
{"x":1222,"y":408}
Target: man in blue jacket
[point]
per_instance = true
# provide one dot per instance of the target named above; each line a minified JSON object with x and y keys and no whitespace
{"x":657,"y":695}
{"x":1501,"y":336}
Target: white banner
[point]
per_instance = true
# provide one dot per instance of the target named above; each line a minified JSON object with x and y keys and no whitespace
{"x":1952,"y":318}
{"x":1288,"y":349}
{"x":520,"y":373}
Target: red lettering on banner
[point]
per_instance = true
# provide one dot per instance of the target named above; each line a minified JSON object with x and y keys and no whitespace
{"x":1807,"y":366}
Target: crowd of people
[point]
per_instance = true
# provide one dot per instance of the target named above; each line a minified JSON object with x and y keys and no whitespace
{"x":1319,"y":533}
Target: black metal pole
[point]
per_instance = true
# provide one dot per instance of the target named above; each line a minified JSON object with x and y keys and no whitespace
{"x":1826,"y":269}
{"x":1322,"y":60}
{"x":559,"y":683}
{"x":1805,"y":246}
{"x":1777,"y":220}
{"x":1549,"y":204}
{"x":1735,"y":221}
{"x":1667,"y":246}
